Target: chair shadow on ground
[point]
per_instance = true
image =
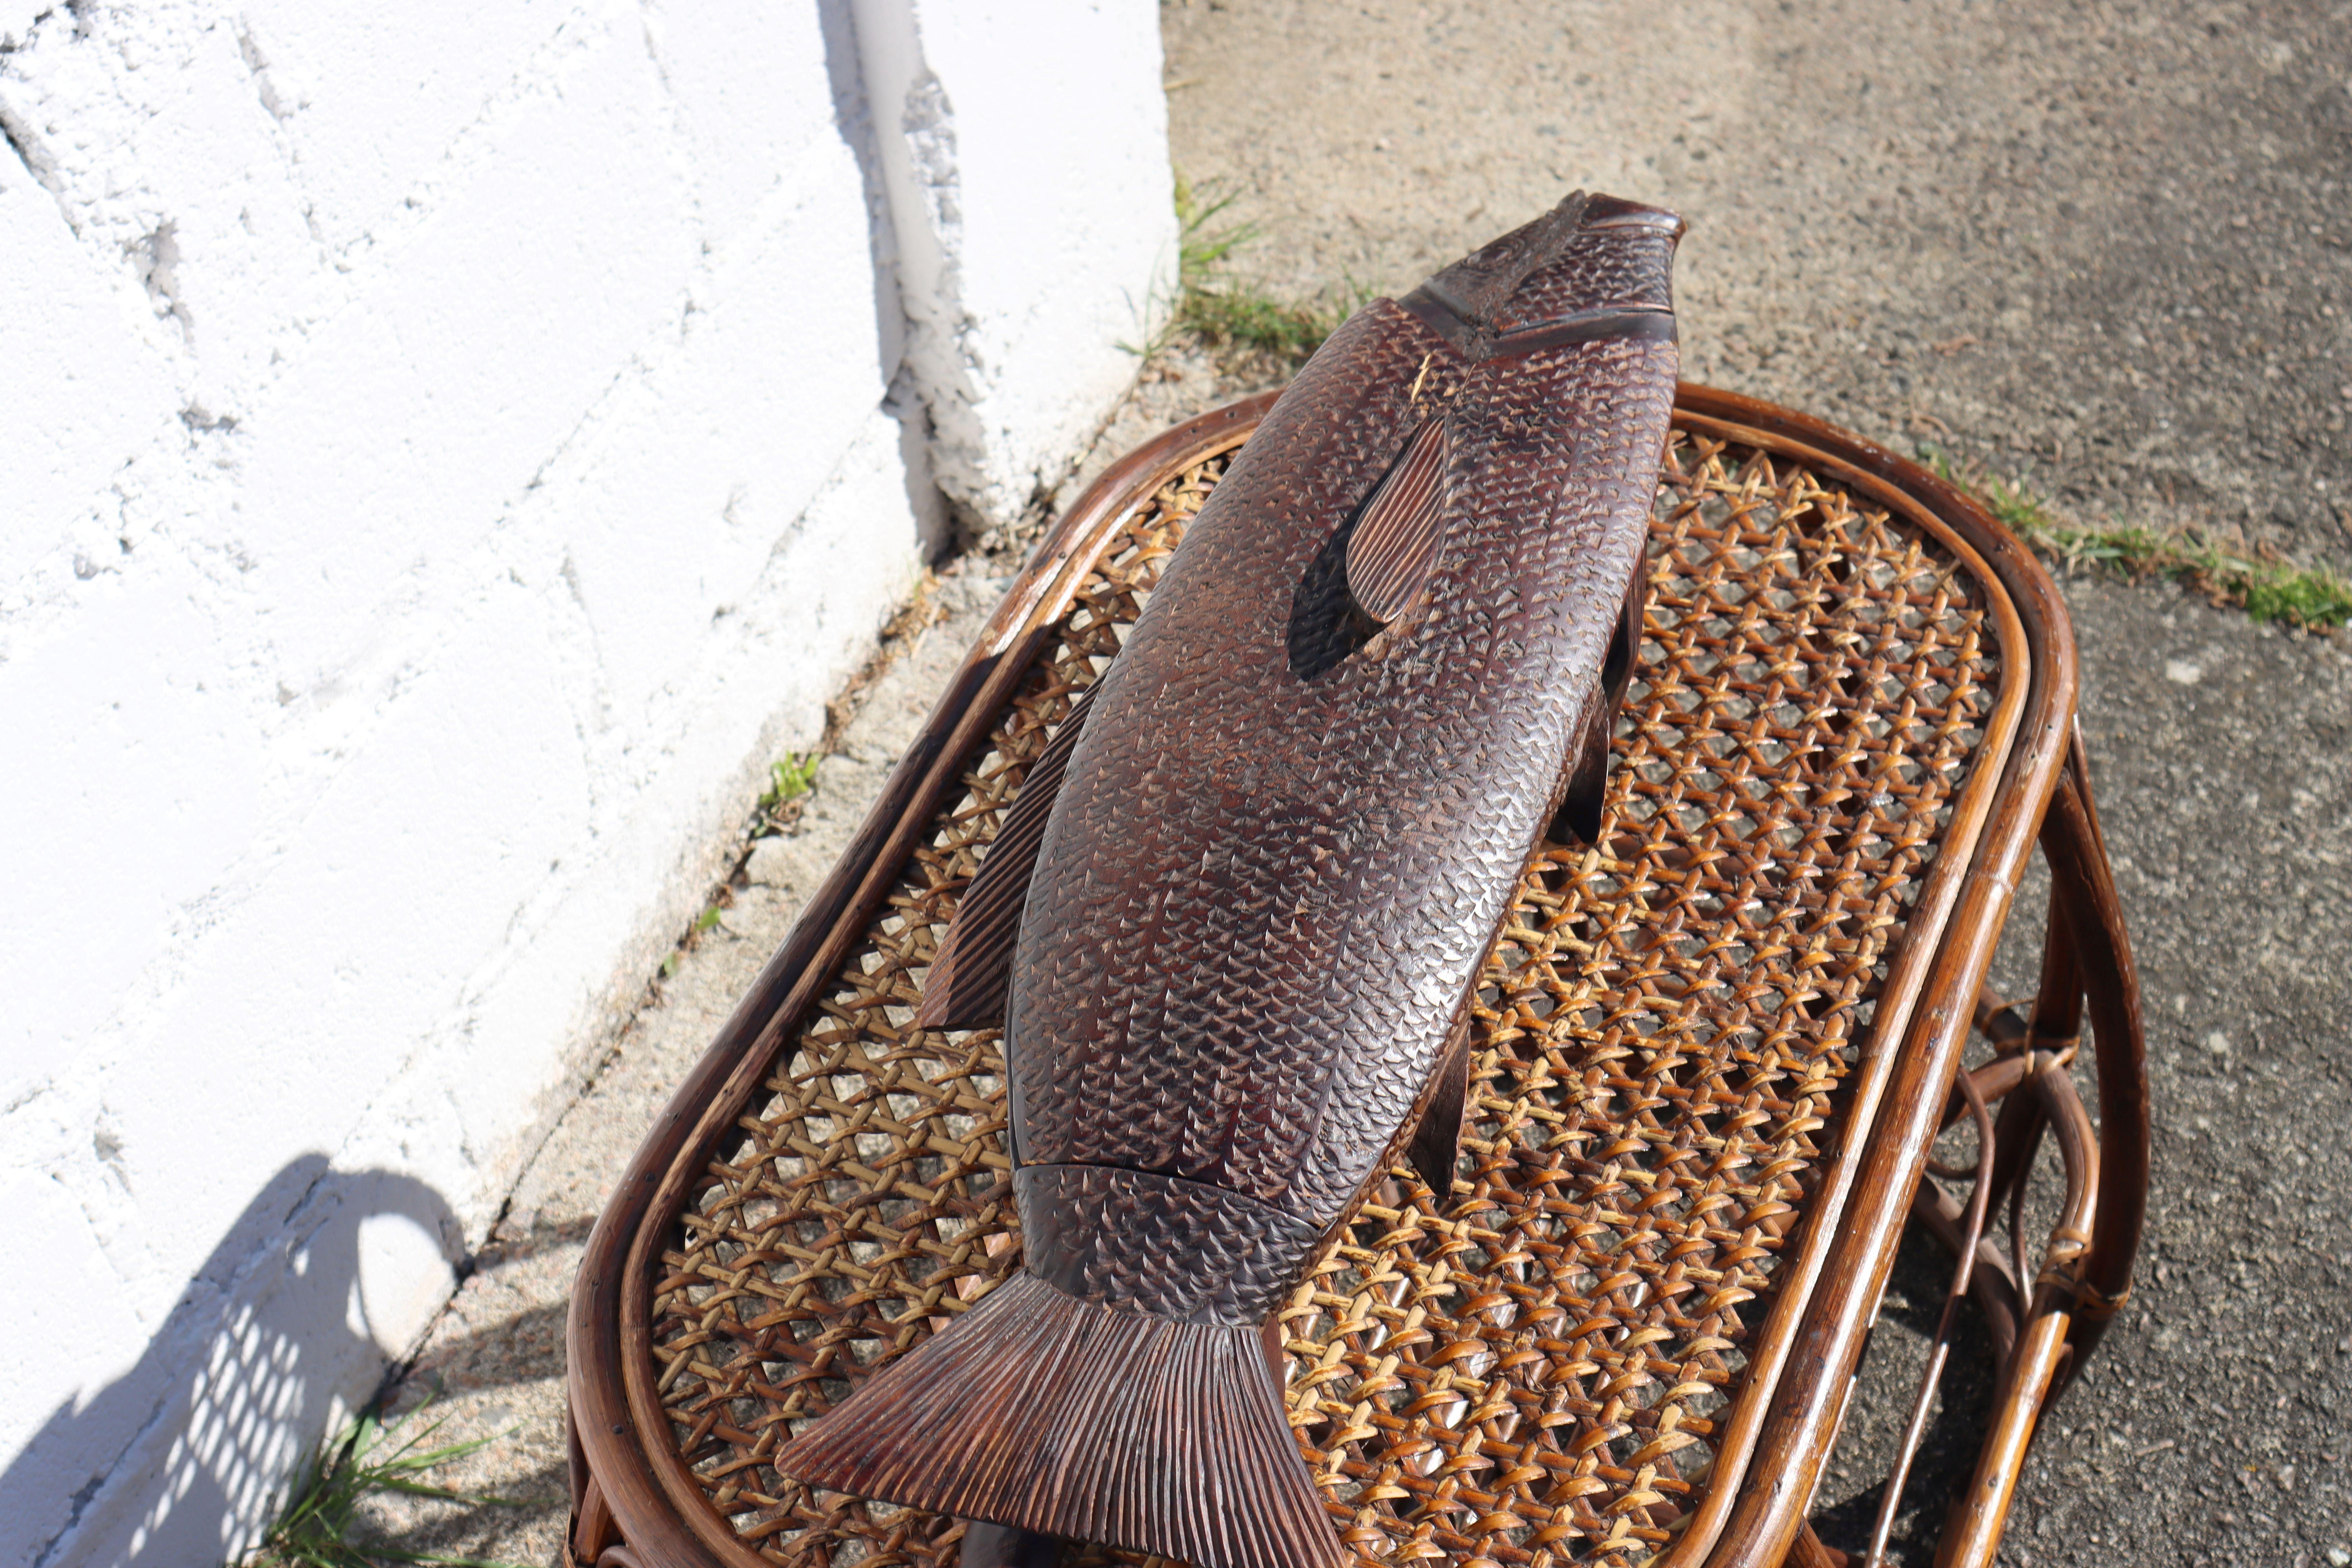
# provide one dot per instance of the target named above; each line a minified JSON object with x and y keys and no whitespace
{"x":184,"y":1458}
{"x":451,"y":1389}
{"x":1881,"y":1405}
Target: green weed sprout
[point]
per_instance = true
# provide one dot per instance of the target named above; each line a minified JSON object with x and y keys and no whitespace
{"x":314,"y":1531}
{"x":2311,"y":597}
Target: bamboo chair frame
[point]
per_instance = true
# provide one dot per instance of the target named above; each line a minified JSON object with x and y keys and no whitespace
{"x":639,"y":1501}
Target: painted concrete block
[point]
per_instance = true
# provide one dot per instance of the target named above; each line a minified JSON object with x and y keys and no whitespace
{"x":131,"y":791}
{"x":756,"y":689}
{"x":383,"y":105}
{"x":85,"y":386}
{"x":181,"y":1454}
{"x":427,"y":406}
{"x":679,"y":498}
{"x":1027,"y":171}
{"x":63,"y":1449}
{"x":448,"y":457}
{"x":756,"y":93}
{"x":172,"y":175}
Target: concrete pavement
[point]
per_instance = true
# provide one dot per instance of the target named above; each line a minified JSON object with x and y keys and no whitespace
{"x":2105,"y":246}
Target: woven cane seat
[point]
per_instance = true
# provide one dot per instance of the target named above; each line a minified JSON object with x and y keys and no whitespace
{"x":1583,"y":1353}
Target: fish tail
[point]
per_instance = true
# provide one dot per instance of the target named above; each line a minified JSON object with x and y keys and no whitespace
{"x":1048,"y":1412}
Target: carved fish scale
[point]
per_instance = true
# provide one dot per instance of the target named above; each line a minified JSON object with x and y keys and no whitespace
{"x":1304,"y":870}
{"x":1283,"y":829}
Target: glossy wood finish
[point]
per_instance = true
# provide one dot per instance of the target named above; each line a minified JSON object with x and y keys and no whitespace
{"x":2044,"y":794}
{"x":1811,"y":1353}
{"x":1772,"y":1443}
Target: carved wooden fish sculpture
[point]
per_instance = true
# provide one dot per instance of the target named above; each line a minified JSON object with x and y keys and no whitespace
{"x":1234,"y":920}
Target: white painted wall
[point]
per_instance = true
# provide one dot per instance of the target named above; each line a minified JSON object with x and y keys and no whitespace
{"x":446,"y":451}
{"x":1024,"y":247}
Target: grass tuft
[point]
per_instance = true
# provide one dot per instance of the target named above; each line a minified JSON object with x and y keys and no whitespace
{"x":1224,"y":314}
{"x":792,"y":778}
{"x":314,"y":1531}
{"x":788,"y":783}
{"x":2268,"y":588}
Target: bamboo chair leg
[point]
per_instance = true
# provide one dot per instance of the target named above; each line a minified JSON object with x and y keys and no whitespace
{"x":2087,"y":1272}
{"x":591,"y":1530}
{"x":1972,"y":1539}
{"x":2078,"y":858}
{"x":1807,"y":1552}
{"x":1965,"y":1252}
{"x":2026,"y":1384}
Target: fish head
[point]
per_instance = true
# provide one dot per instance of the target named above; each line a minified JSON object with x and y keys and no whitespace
{"x":1590,"y":255}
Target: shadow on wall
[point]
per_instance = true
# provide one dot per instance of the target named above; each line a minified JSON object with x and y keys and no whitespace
{"x":274,"y":1340}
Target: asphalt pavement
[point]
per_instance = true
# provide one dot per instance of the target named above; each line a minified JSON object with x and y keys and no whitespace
{"x":2100,"y":248}
{"x":2106,"y":247}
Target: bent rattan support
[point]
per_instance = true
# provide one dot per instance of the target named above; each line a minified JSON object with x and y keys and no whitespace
{"x":2042,"y":1333}
{"x":2084,"y":1277}
{"x":1712,"y":1055}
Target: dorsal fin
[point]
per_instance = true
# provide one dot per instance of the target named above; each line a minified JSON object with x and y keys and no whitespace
{"x":1395,"y":542}
{"x":968,"y":983}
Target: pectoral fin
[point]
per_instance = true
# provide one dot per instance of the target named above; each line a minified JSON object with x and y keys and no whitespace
{"x":1579,"y":816}
{"x":1394,"y":544}
{"x":1625,"y":643}
{"x":1437,"y":1142}
{"x":971,"y":971}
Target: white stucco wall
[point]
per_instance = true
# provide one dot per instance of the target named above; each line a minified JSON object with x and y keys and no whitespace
{"x":444,"y":453}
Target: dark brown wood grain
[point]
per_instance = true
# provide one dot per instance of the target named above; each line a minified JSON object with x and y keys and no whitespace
{"x":1268,"y":880}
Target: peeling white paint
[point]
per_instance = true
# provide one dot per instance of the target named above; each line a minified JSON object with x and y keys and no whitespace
{"x":1031,"y":254}
{"x":445,"y":454}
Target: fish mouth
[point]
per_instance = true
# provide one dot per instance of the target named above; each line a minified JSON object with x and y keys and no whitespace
{"x":1595,"y":267}
{"x":1639,"y":321}
{"x":1616,"y":212}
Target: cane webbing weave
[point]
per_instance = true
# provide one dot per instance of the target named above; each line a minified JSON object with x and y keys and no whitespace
{"x":1533,"y":1370}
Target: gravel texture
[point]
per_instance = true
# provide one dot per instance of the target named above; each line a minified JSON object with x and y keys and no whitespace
{"x":2103,"y":248}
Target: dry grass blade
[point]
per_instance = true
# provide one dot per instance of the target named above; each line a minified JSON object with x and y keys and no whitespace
{"x":315,"y":1529}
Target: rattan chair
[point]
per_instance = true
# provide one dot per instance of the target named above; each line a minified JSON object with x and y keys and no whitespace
{"x":1715,"y":1056}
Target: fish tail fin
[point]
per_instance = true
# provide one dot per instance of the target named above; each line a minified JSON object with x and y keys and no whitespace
{"x":1046,"y":1412}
